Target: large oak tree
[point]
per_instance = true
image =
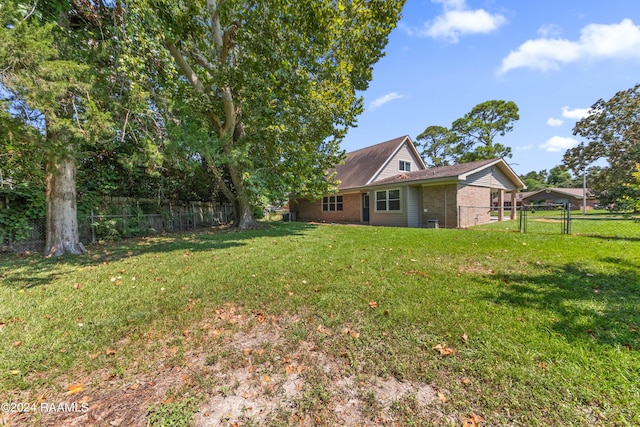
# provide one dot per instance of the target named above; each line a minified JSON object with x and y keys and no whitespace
{"x":271,"y":85}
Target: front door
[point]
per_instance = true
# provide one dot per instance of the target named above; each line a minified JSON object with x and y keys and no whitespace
{"x":365,"y":207}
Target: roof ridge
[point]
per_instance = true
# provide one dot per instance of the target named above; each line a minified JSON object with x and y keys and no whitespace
{"x":399,"y":139}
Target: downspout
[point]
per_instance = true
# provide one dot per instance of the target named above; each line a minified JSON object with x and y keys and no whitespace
{"x":445,"y":208}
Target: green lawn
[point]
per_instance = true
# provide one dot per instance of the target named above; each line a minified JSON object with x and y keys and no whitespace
{"x":594,"y":223}
{"x":546,"y":328}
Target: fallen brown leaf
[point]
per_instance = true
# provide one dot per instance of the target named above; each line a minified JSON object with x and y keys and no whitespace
{"x":373,"y":304}
{"x":473,"y":420}
{"x":444,"y":350}
{"x":74,"y":388}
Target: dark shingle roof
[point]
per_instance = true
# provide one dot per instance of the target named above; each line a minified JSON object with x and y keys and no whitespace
{"x":576,"y":193}
{"x":441,"y":172}
{"x":361,"y":165}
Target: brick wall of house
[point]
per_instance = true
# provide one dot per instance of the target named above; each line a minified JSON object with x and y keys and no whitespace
{"x":307,"y":210}
{"x":474,"y":205}
{"x":440,"y":203}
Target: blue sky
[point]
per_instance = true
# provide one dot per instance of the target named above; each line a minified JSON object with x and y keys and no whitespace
{"x":553,"y":58}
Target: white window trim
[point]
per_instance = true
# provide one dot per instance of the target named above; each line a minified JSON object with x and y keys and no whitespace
{"x":334,"y":203}
{"x":403,"y":163}
{"x":375,"y":201}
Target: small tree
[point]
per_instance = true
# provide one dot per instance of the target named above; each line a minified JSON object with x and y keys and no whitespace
{"x":437,"y":145}
{"x":471,"y":137}
{"x":535,"y":180}
{"x":478,"y":128}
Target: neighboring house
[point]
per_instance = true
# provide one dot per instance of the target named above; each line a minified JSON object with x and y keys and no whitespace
{"x":389,"y":184}
{"x":555,"y":196}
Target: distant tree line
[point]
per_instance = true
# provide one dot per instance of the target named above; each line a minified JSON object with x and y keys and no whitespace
{"x":611,"y":135}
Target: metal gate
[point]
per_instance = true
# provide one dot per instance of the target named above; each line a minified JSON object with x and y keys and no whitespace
{"x":550,"y":218}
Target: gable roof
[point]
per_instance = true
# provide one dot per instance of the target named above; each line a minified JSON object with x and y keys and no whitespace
{"x":456,"y":172}
{"x":576,"y":193}
{"x":362,"y":166}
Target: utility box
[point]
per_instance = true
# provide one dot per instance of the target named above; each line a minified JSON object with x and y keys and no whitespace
{"x":433,"y":223}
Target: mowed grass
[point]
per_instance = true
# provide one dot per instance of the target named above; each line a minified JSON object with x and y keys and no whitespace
{"x":546,"y":328}
{"x":594,"y":223}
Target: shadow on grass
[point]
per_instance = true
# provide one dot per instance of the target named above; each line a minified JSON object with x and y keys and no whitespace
{"x":581,"y":305}
{"x":23,"y":272}
{"x":607,"y":237}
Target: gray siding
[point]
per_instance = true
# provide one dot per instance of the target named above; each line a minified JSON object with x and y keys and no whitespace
{"x":491,"y":178}
{"x":414,"y":207}
{"x":391,"y":168}
{"x":395,"y":219}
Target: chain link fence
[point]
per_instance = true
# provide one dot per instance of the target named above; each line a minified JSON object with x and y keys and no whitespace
{"x":568,"y":219}
{"x":555,"y":219}
{"x":97,"y":227}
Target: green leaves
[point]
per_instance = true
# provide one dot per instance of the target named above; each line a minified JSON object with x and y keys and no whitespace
{"x":273,"y":83}
{"x":612,"y":132}
{"x":471,"y":137}
{"x":479,"y":128}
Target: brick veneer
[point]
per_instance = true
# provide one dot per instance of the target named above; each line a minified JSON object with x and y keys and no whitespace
{"x":311,"y":210}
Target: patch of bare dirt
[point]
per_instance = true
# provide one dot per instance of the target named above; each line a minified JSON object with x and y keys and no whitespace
{"x":242,"y":369}
{"x":476,"y":268}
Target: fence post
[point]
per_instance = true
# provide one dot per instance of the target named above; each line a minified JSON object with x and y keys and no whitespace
{"x":523,"y":219}
{"x":93,"y":229}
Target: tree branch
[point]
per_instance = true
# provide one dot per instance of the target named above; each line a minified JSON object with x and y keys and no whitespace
{"x":216,"y":29}
{"x":33,"y":9}
{"x":202,"y":61}
{"x":218,"y":177}
{"x":184,"y":66}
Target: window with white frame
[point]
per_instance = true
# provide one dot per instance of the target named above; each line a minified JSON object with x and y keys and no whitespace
{"x":332,"y":203}
{"x":405,"y":166}
{"x":388,"y":200}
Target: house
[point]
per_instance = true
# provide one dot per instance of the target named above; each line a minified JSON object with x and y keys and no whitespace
{"x":556,"y":196}
{"x":389,"y":184}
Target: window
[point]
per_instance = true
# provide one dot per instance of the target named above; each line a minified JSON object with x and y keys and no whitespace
{"x":332,"y":203}
{"x":405,"y":166}
{"x":388,"y":200}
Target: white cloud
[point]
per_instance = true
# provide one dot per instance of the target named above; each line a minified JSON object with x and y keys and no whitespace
{"x":527,"y":147}
{"x":576,"y":113}
{"x":548,"y":30}
{"x":558,"y":143}
{"x":553,"y":122}
{"x":457,"y":20}
{"x":379,"y":102}
{"x":596,"y":42}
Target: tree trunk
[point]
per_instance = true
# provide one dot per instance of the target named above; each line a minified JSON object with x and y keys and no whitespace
{"x":62,"y":219}
{"x":244,"y":213}
{"x":245,"y":216}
